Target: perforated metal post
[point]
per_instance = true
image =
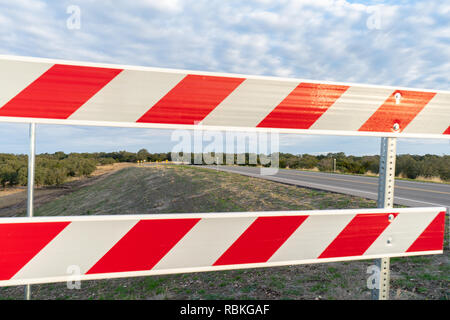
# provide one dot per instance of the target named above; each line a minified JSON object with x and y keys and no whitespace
{"x":385,"y":200}
{"x":30,"y":186}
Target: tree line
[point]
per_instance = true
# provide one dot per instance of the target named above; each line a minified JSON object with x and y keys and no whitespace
{"x":407,"y":166}
{"x":57,"y":168}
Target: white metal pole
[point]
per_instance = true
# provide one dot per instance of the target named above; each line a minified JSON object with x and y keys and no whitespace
{"x":385,"y":200}
{"x":30,"y":186}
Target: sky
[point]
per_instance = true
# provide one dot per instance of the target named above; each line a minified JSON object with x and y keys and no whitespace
{"x":397,"y":43}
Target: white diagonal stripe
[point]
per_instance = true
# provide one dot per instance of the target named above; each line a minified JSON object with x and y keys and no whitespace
{"x":352,"y":109}
{"x":205,"y":243}
{"x":16,"y":76}
{"x":401,"y":233}
{"x":81,"y":244}
{"x":312,"y":237}
{"x":249,"y":103}
{"x":128,"y":96}
{"x":433,"y":118}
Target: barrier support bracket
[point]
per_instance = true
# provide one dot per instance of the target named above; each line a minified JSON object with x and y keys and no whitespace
{"x":385,"y":200}
{"x":30,"y":186}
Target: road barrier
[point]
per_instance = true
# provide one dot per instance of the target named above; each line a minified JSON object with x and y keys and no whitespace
{"x":66,"y":92}
{"x":47,"y":249}
{"x":44,"y":249}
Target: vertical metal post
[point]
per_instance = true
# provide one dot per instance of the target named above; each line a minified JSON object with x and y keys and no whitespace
{"x":30,"y":186}
{"x":385,"y":200}
{"x":334,"y":165}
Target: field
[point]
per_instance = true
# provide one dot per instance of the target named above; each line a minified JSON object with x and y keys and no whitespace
{"x":170,"y":189}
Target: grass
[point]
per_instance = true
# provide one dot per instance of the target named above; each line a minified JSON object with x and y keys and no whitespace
{"x":140,"y":190}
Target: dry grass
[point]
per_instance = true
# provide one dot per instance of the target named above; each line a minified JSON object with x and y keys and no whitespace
{"x":11,"y":190}
{"x":430,"y":179}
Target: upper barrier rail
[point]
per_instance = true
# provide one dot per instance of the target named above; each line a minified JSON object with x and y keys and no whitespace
{"x":50,"y":91}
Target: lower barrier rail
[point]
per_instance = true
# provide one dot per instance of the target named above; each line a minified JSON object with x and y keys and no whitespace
{"x":54,"y":249}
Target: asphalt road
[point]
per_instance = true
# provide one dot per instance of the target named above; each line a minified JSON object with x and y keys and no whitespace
{"x":407,"y":193}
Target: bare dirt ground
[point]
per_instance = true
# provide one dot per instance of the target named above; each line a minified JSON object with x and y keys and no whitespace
{"x":168,"y":188}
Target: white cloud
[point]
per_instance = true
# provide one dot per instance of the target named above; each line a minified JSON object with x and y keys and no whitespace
{"x":166,"y":5}
{"x":327,"y":39}
{"x":323,"y":40}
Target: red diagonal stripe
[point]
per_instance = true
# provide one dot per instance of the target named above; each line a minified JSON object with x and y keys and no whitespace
{"x":58,"y":92}
{"x":261,"y":240}
{"x":144,"y":245}
{"x":358,"y":235}
{"x":303,"y":106}
{"x":411,"y":103}
{"x":20,"y":242}
{"x":432,"y":238}
{"x":191,"y":100}
{"x":447,"y":131}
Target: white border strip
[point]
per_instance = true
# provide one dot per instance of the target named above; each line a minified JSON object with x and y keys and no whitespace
{"x":222,"y":128}
{"x":214,"y":215}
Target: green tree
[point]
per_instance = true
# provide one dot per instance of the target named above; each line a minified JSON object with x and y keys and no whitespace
{"x":143,"y":154}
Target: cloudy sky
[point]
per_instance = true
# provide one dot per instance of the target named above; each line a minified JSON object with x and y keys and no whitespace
{"x":399,"y":43}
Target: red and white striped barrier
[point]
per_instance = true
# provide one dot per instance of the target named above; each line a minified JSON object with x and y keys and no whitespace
{"x":64,"y":92}
{"x":45,"y":249}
